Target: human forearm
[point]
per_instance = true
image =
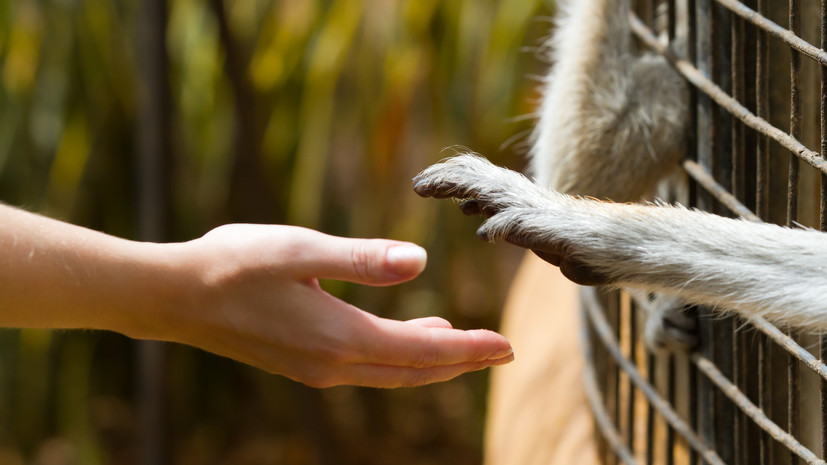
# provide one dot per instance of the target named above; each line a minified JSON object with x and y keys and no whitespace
{"x":59,"y":275}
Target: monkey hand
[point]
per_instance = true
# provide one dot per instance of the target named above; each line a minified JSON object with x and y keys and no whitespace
{"x":517,"y":210}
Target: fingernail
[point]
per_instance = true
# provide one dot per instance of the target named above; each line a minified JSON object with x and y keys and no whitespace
{"x":502,"y":361}
{"x":501,"y":354}
{"x":407,"y":259}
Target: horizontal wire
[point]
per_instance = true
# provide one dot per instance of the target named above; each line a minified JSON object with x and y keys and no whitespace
{"x":740,"y":399}
{"x":788,"y":36}
{"x":789,"y":344}
{"x":702,"y":177}
{"x":601,"y":327}
{"x":705,"y":85}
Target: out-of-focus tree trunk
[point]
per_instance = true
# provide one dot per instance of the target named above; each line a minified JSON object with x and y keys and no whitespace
{"x":251,"y":198}
{"x":154,"y":208}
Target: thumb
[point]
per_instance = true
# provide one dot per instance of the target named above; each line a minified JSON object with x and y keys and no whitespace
{"x":368,"y":261}
{"x":431,"y":322}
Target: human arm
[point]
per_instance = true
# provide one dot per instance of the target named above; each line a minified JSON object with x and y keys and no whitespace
{"x":249,"y":292}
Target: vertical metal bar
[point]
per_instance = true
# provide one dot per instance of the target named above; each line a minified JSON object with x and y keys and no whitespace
{"x":649,"y":12}
{"x":692,"y":149}
{"x":630,"y":394}
{"x":738,"y":189}
{"x":823,"y":209}
{"x":722,"y":330}
{"x":608,"y":301}
{"x":601,"y":368}
{"x":762,"y":209}
{"x":671,"y":394}
{"x":763,"y":395}
{"x":703,"y":61}
{"x":671,"y":15}
{"x":650,"y":412}
{"x":737,"y":63}
{"x":694,"y":457}
{"x":704,"y":151}
{"x":613,"y":310}
{"x":762,"y":110}
{"x":792,"y":208}
{"x":153,"y":215}
{"x":795,"y":113}
{"x":722,"y":65}
{"x":823,"y":221}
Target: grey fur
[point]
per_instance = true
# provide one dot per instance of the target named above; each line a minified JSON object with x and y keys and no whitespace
{"x":607,"y":108}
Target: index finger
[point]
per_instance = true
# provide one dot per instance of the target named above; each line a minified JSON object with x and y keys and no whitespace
{"x":378,"y":262}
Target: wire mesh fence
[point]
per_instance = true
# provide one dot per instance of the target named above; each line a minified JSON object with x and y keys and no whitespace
{"x":752,"y":393}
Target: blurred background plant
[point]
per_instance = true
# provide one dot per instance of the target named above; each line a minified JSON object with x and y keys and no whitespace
{"x":308,"y":112}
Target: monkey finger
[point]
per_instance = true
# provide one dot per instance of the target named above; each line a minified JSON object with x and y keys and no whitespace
{"x":552,"y":258}
{"x":438,"y":189}
{"x":447,"y":193}
{"x":470,"y":207}
{"x":582,"y":274}
{"x":473,"y":207}
{"x":681,"y":319}
{"x":483,"y":234}
{"x":423,"y":188}
{"x":427,"y":184}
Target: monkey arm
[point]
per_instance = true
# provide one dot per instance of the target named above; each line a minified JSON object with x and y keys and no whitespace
{"x":763,"y":269}
{"x":607,"y":108}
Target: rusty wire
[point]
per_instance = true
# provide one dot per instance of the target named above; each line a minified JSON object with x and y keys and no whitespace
{"x":735,"y":108}
{"x":789,"y":345}
{"x":740,"y":399}
{"x":789,"y":37}
{"x":707,"y":181}
{"x":702,"y":177}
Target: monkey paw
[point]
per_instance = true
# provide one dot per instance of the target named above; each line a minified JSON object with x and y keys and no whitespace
{"x":517,"y":210}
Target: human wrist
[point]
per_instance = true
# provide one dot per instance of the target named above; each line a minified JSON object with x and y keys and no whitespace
{"x":161,"y":292}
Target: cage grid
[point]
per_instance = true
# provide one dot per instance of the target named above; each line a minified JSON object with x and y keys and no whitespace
{"x":748,"y":394}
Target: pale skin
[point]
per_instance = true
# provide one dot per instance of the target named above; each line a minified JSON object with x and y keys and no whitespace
{"x":248,"y":292}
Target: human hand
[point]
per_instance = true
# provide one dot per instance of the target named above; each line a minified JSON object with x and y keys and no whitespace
{"x":261,"y":304}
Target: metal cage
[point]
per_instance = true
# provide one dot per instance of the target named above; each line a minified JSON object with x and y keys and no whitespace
{"x":751,"y":393}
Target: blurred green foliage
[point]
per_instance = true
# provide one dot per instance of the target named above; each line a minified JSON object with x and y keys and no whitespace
{"x":336,"y":104}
